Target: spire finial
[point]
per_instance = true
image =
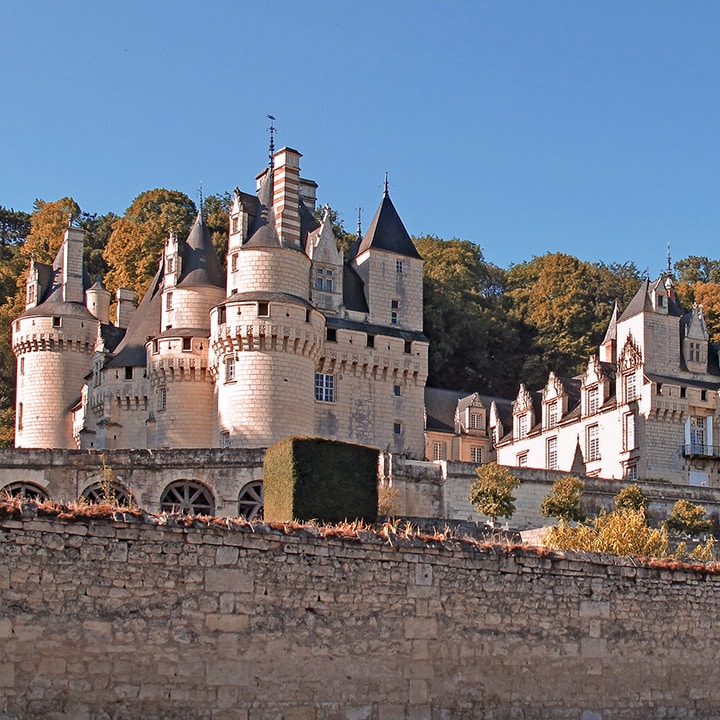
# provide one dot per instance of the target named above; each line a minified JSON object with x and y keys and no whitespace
{"x":669,"y":265}
{"x":272,"y":131}
{"x":386,"y":183}
{"x":200,"y":198}
{"x":359,"y":222}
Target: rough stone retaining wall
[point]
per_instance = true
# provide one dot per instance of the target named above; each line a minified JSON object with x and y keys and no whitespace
{"x":140,"y":616}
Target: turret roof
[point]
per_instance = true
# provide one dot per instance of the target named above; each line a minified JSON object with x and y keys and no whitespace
{"x":200,"y":265}
{"x":386,"y":232}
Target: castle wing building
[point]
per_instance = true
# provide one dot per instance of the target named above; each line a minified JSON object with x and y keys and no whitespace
{"x":646,"y":406}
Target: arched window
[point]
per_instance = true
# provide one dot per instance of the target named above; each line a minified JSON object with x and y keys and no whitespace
{"x":24,"y":490}
{"x":114,"y":493}
{"x":250,"y":501}
{"x":188,"y":497}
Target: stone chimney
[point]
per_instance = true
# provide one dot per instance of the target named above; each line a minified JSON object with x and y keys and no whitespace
{"x":126,"y":300}
{"x":72,"y":270}
{"x":286,"y":195}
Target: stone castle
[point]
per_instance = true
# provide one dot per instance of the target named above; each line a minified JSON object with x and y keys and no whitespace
{"x":292,"y":338}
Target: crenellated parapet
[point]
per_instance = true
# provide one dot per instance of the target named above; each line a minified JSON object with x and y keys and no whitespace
{"x":164,"y":370}
{"x":377,"y":367}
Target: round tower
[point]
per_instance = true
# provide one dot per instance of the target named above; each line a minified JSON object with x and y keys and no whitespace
{"x":192,"y":284}
{"x":267,"y":336}
{"x":53,"y":341}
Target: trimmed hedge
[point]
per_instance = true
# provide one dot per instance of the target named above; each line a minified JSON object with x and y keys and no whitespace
{"x":317,"y":479}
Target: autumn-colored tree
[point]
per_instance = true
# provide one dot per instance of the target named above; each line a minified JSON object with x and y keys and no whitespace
{"x":137,"y":239}
{"x":566,"y":303}
{"x":492,"y":493}
{"x":47,"y":228}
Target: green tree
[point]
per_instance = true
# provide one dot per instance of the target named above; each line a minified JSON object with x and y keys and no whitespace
{"x":565,"y":500}
{"x":473,"y":341}
{"x":137,"y":239}
{"x":697,"y":269}
{"x":14,"y":226}
{"x":689,"y":519}
{"x":631,"y":498}
{"x":492,"y":493}
{"x":216,"y":211}
{"x":343,"y":238}
{"x":98,"y":229}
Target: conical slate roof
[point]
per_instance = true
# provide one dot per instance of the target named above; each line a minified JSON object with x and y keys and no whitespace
{"x":201,"y":266}
{"x":387,"y":232}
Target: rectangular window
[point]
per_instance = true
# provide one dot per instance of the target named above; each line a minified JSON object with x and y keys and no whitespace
{"x":169,"y":265}
{"x":221,"y":315}
{"x":169,"y":301}
{"x":476,"y":421}
{"x":371,"y":341}
{"x":324,"y":387}
{"x":324,"y":279}
{"x":128,"y":373}
{"x":57,"y":322}
{"x":593,"y":400}
{"x":552,"y":414}
{"x":20,"y":416}
{"x":631,"y":473}
{"x":234,"y":262}
{"x":399,"y":266}
{"x":22,"y":365}
{"x":235,"y":224}
{"x":476,"y":455}
{"x":593,"y":443}
{"x":551,"y":454}
{"x":522,"y":426}
{"x":397,"y":428}
{"x":629,"y":432}
{"x":397,"y":390}
{"x":407,"y":349}
{"x":229,"y":369}
{"x":162,"y":399}
{"x":263,"y":309}
{"x":187,"y":344}
{"x":395,"y":312}
{"x":630,"y":382}
{"x":439,"y":451}
{"x":155,"y":346}
{"x":225,"y":437}
{"x":522,"y":459}
{"x":331,"y":335}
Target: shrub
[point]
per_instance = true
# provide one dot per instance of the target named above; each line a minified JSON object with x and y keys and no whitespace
{"x":492,"y":492}
{"x":631,"y":498}
{"x":317,"y":479}
{"x":564,"y":501}
{"x":688,"y":518}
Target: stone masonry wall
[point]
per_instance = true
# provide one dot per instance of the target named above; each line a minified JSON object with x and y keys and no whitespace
{"x":144,"y":617}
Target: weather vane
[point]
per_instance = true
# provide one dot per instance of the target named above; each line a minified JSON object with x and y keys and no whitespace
{"x":200,"y":197}
{"x":272,"y":130}
{"x":359,"y":221}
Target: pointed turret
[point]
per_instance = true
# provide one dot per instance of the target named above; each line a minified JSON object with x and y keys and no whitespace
{"x":608,"y":347}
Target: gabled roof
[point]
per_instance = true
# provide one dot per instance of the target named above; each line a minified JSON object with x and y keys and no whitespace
{"x":261,"y":231}
{"x":611,"y":332}
{"x":442,"y":405}
{"x":387,"y":232}
{"x":200,"y":265}
{"x":354,"y":290}
{"x":641,"y":301}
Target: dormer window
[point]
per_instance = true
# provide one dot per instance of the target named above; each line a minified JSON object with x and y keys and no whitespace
{"x":170,"y":265}
{"x":477,"y":421}
{"x":169,"y":301}
{"x":630,"y":387}
{"x":522,"y":425}
{"x":551,"y":410}
{"x":324,"y":279}
{"x":661,"y":300}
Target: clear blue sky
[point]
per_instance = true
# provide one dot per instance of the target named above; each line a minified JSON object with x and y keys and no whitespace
{"x":591,"y":128}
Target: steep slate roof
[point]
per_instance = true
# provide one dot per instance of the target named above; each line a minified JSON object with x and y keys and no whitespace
{"x":261,"y":230}
{"x":144,"y":324}
{"x":641,"y":302}
{"x":441,"y":406}
{"x":200,"y":265}
{"x":611,"y":333}
{"x":387,"y":232}
{"x":354,"y":290}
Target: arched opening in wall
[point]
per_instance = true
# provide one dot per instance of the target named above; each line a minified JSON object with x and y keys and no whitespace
{"x":188,"y":497}
{"x":24,"y":490}
{"x":250,"y":500}
{"x":113,"y":493}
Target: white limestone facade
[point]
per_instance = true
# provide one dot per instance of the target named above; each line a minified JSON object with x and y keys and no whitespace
{"x":646,"y":407}
{"x":289,"y":338}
